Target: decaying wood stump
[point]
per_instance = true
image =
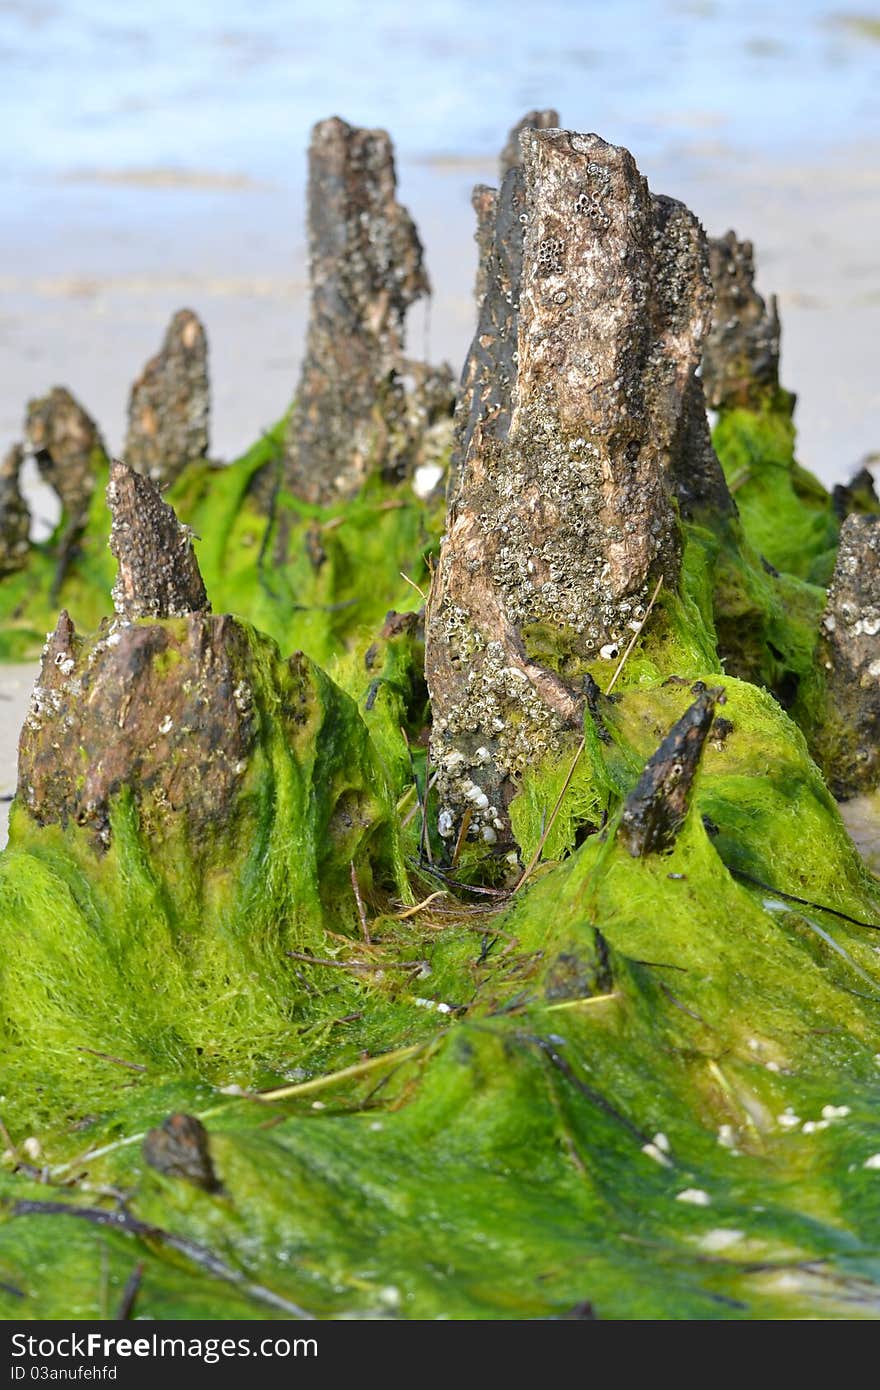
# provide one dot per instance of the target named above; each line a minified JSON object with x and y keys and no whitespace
{"x":67,"y":446}
{"x":741,"y":353}
{"x":69,"y":451}
{"x":849,"y":649}
{"x":558,"y":531}
{"x":655,"y":809}
{"x":170,"y":403}
{"x":366,"y":270}
{"x":165,"y":711}
{"x":15,"y":518}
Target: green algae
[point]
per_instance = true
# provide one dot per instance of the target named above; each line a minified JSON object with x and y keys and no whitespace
{"x":649,"y":1084}
{"x":316,"y":579}
{"x":786,"y":513}
{"x":601,"y":1108}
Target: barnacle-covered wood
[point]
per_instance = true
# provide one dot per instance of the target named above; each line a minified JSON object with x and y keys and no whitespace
{"x":164,"y":711}
{"x":741,"y":354}
{"x":655,"y":809}
{"x":558,"y":531}
{"x":15,"y":518}
{"x":68,"y":449}
{"x":487,"y":381}
{"x":366,"y":270}
{"x":849,"y":650}
{"x":158,"y":574}
{"x":170,"y":403}
{"x":511,"y":155}
{"x":180,"y":1148}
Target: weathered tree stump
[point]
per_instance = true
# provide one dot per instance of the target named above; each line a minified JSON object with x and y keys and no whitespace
{"x":741,"y":353}
{"x":68,"y":448}
{"x":558,"y":531}
{"x":15,"y":518}
{"x":170,"y":403}
{"x":366,"y":270}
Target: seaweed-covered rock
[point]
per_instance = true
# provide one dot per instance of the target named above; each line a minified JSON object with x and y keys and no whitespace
{"x":558,"y":531}
{"x":849,"y":649}
{"x":741,"y":354}
{"x":15,"y":517}
{"x":170,"y":403}
{"x":366,"y":270}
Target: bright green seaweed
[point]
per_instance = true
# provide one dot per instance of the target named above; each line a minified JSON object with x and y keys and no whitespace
{"x":647,"y":1084}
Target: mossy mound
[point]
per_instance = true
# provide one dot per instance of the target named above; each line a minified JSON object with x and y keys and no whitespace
{"x":647,"y":1084}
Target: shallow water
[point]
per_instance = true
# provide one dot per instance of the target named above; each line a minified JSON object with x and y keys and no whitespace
{"x":155,"y":157}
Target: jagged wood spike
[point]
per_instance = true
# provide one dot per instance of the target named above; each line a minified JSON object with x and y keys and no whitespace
{"x":169,"y":406}
{"x":558,"y":531}
{"x":741,"y":353}
{"x":15,"y":517}
{"x":655,"y":809}
{"x":849,"y":651}
{"x":158,"y":573}
{"x":366,"y":270}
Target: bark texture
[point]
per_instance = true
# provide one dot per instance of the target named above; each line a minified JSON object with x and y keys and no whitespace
{"x":486,"y":388}
{"x":158,"y":573}
{"x":562,"y":522}
{"x":170,"y":403}
{"x":655,"y":809}
{"x":15,"y":518}
{"x":741,"y":354}
{"x":366,"y":270}
{"x":849,"y":649}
